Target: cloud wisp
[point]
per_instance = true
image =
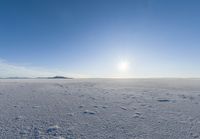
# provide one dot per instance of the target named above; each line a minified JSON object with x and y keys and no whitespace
{"x":12,"y":70}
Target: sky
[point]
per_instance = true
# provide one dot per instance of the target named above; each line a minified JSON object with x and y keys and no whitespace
{"x":100,"y":38}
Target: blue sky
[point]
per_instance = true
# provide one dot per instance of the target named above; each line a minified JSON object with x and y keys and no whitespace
{"x":89,"y":38}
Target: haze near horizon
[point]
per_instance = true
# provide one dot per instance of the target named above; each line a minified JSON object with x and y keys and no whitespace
{"x":99,"y":39}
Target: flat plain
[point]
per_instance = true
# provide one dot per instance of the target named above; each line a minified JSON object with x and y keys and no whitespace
{"x":100,"y":108}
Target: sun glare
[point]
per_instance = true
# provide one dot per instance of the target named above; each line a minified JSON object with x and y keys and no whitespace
{"x":123,"y":66}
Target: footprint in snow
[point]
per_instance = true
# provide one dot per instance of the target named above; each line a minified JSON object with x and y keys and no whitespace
{"x":163,"y":100}
{"x":35,"y":107}
{"x":143,"y":104}
{"x":123,"y":108}
{"x":92,"y":98}
{"x":104,"y":107}
{"x":89,"y":112}
{"x":53,"y":128}
{"x":137,"y":115}
{"x":96,"y":106}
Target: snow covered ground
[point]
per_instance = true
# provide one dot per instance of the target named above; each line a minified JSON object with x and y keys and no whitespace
{"x":100,"y":109}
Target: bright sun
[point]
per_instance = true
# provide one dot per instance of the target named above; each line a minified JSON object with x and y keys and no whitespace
{"x":123,"y":66}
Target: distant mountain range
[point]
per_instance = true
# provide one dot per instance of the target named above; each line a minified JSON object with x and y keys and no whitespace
{"x":55,"y":77}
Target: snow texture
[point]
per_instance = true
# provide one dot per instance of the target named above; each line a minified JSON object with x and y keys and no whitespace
{"x":100,"y":109}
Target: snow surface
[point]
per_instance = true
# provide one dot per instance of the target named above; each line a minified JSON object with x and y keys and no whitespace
{"x":100,"y":109}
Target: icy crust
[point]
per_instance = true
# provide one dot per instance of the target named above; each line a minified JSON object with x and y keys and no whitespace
{"x":100,"y":109}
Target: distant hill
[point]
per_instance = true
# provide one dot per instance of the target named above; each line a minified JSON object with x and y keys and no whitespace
{"x":59,"y":77}
{"x":55,"y":77}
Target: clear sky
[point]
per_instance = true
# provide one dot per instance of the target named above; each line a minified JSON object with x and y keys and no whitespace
{"x":100,"y":38}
